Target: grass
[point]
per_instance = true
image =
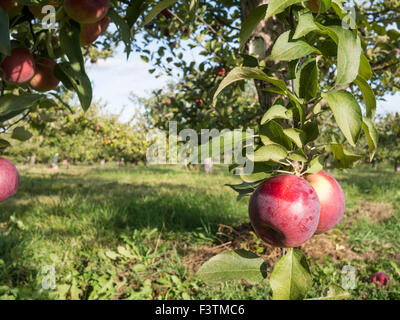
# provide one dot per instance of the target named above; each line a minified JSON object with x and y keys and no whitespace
{"x":124,"y":234}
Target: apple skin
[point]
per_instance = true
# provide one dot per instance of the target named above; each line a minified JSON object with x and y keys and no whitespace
{"x":86,"y":11}
{"x":331,"y":198}
{"x":44,"y":78}
{"x":284,"y":211}
{"x":381,"y":278}
{"x":11,"y":7}
{"x":19,"y":67}
{"x":90,"y":32}
{"x":9,"y":179}
{"x":37,"y":10}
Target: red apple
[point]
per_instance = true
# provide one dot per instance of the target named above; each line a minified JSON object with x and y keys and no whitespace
{"x":44,"y":78}
{"x":221,"y":72}
{"x":9,"y":179}
{"x":86,"y":11}
{"x":19,"y":67}
{"x":199,"y":101}
{"x":331,"y":197}
{"x":284,"y":211}
{"x":381,"y":278}
{"x":90,"y":32}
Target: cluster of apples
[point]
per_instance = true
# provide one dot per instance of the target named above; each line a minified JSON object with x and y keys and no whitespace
{"x":22,"y":67}
{"x":9,"y":179}
{"x":287,"y":210}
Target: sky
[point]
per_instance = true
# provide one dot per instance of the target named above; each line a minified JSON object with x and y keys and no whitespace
{"x":115,"y":78}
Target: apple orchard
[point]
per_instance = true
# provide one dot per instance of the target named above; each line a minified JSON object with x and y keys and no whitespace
{"x":304,"y":75}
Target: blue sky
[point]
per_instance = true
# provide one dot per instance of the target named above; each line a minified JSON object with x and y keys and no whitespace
{"x":115,"y":78}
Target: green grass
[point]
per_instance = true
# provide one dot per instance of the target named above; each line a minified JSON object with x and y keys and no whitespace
{"x":124,"y":234}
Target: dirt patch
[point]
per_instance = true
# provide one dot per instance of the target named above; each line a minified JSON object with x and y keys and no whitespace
{"x":331,"y":245}
{"x":373,"y":212}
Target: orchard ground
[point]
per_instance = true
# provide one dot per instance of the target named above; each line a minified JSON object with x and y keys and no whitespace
{"x":141,"y":232}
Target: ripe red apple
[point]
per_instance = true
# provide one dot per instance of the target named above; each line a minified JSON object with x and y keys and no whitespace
{"x":313,"y":5}
{"x":90,"y":32}
{"x":199,"y":101}
{"x":284,"y":211}
{"x":9,"y":179}
{"x":381,"y":278}
{"x":37,"y":10}
{"x":331,"y":197}
{"x":86,"y":11}
{"x":44,"y":78}
{"x":19,"y":67}
{"x":11,"y":7}
{"x":221,"y":71}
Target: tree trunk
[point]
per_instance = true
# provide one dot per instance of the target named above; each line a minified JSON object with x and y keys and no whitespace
{"x":374,"y":165}
{"x":396,"y":166}
{"x":269,"y":31}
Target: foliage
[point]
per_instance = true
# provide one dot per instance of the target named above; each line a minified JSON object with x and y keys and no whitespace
{"x":84,"y":137}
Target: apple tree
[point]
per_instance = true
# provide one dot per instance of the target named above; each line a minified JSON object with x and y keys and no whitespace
{"x":309,"y":60}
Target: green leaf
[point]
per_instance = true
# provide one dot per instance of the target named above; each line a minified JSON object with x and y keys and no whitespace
{"x":298,"y":155}
{"x":286,"y":49}
{"x":291,"y":277}
{"x":73,"y":74}
{"x":251,"y":23}
{"x":315,"y":165}
{"x":233,"y":265}
{"x":13,"y":105}
{"x":271,"y":152}
{"x":306,"y":84}
{"x":342,"y":158}
{"x":272,"y":132}
{"x":368,"y":95}
{"x":21,"y":134}
{"x":278,"y":6}
{"x":260,"y":172}
{"x":371,"y":134}
{"x":275,"y":112}
{"x":306,"y":24}
{"x":156,"y":9}
{"x":335,"y":292}
{"x":365,"y":70}
{"x":311,"y":131}
{"x":349,"y":54}
{"x":123,"y":29}
{"x":347,"y":113}
{"x":296,"y":135}
{"x":5,"y":45}
{"x":135,"y":9}
{"x":247,"y":73}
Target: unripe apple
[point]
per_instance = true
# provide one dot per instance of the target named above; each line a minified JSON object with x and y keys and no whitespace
{"x":9,"y":179}
{"x":313,"y":5}
{"x":86,"y":11}
{"x":331,"y":198}
{"x":90,"y":32}
{"x":381,"y":278}
{"x":284,"y":211}
{"x":44,"y":78}
{"x":37,"y":10}
{"x":19,"y":67}
{"x":11,"y":7}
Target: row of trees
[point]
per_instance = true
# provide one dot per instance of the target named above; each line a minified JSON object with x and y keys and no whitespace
{"x":79,"y":137}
